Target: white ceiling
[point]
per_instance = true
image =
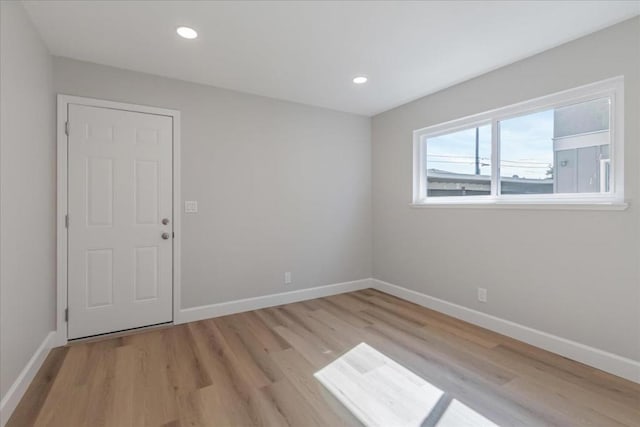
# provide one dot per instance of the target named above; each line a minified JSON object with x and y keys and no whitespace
{"x":308,"y":51}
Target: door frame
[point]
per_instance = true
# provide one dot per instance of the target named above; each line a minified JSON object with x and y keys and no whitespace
{"x":61,"y":336}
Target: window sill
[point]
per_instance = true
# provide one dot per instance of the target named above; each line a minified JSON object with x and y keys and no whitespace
{"x":531,"y":205}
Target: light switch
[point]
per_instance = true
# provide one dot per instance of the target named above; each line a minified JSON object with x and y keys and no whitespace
{"x":191,"y":206}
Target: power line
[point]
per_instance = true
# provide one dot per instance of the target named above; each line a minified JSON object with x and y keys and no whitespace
{"x":485,"y":158}
{"x":519,"y":166}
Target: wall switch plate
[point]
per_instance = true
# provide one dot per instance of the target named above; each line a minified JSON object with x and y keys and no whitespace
{"x":482,"y":295}
{"x":287,"y":278}
{"x":191,"y":206}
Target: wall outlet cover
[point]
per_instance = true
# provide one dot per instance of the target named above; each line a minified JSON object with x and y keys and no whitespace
{"x":482,"y":295}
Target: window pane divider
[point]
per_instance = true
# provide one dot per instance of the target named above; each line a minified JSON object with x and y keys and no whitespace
{"x":495,"y":158}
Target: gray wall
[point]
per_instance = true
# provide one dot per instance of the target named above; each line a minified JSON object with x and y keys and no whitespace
{"x":569,"y":273}
{"x":281,"y":186}
{"x":27,"y":193}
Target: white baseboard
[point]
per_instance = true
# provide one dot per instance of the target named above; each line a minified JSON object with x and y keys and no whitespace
{"x":608,"y":362}
{"x":222,"y":309}
{"x":19,"y":387}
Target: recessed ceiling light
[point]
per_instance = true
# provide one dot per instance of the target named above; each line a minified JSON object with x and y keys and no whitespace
{"x":360,"y":80}
{"x":187,"y":32}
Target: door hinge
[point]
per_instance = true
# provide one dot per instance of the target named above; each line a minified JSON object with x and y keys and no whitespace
{"x":66,"y":128}
{"x":66,"y":221}
{"x":66,"y":314}
{"x":173,"y":234}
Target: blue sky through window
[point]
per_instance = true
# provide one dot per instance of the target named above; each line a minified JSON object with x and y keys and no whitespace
{"x":526,"y":145}
{"x":455,"y":152}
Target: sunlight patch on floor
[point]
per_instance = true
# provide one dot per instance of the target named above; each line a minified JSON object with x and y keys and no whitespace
{"x":458,"y":414}
{"x":381,"y":392}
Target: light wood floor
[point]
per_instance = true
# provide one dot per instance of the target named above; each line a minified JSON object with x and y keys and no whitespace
{"x":257,"y":368}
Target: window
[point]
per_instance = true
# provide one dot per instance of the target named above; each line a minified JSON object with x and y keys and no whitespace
{"x":561,"y":149}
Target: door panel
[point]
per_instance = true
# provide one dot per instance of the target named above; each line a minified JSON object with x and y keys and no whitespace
{"x":146,"y":273}
{"x":99,"y":277}
{"x":100,"y":191}
{"x":120,"y":189}
{"x":146,"y":192}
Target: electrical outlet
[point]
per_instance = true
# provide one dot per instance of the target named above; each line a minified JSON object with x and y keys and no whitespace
{"x":482,"y":295}
{"x":287,"y":278}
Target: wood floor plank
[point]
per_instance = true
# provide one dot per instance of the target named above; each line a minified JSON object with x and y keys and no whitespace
{"x":265,"y":411}
{"x":571,"y":371}
{"x":270,"y":340}
{"x":315,"y":354}
{"x":257,"y":369}
{"x":184,"y":368}
{"x":29,"y":408}
{"x":155,"y":395}
{"x":349,"y":302}
{"x":100,"y":392}
{"x":341,"y":313}
{"x":326,"y":333}
{"x":66,"y":398}
{"x":299,"y":372}
{"x":432,"y":317}
{"x":238,"y":356}
{"x":121,"y":411}
{"x":623,"y":408}
{"x":488,"y":399}
{"x":443,"y":354}
{"x":254,"y":348}
{"x":211,"y":406}
{"x":295,"y":409}
{"x":545,"y":398}
{"x":427,"y":318}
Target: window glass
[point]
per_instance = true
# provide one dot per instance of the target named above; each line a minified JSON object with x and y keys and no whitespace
{"x":561,"y":150}
{"x":459,"y":163}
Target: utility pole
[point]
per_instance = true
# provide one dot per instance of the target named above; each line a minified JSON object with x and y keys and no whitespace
{"x":477,"y":151}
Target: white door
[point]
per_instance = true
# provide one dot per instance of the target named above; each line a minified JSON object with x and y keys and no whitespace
{"x":120,"y":230}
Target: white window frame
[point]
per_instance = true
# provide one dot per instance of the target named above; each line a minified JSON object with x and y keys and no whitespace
{"x":614,"y":199}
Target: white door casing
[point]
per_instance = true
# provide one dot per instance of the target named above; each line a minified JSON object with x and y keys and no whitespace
{"x":120,"y":188}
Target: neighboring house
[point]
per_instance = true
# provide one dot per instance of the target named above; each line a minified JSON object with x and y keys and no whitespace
{"x":581,"y":147}
{"x":443,"y":183}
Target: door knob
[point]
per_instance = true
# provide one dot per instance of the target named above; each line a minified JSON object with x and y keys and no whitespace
{"x":165,"y":221}
{"x":165,"y":236}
